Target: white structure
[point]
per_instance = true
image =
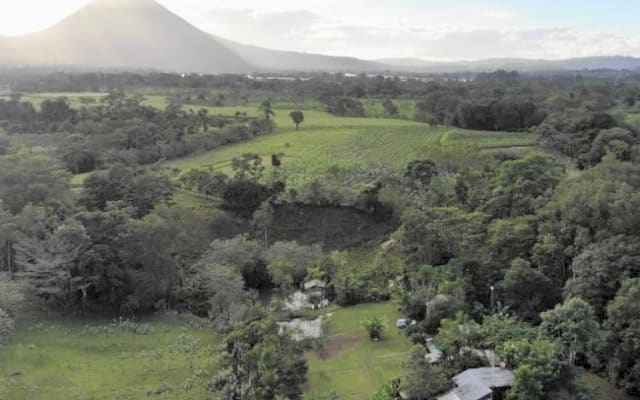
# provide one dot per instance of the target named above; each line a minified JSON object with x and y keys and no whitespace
{"x":304,"y":329}
{"x":311,"y":297}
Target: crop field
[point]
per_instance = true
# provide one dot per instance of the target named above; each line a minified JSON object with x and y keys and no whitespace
{"x":325,"y":143}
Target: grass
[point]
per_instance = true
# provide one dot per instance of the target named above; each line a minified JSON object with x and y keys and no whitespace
{"x":356,"y":366}
{"x":327,"y":143}
{"x":603,"y":390}
{"x":59,"y":361}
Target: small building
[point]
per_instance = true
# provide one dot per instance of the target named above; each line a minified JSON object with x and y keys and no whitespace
{"x":480,"y":384}
{"x":434,"y":354}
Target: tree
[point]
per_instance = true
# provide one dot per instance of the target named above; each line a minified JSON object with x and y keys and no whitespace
{"x":602,"y":203}
{"x":519,"y":182}
{"x":527,"y":291}
{"x":267,"y":109}
{"x":245,"y":255}
{"x":204,"y":120}
{"x":624,"y":325}
{"x":436,"y":235}
{"x":390,"y":109}
{"x":204,"y":181}
{"x":140,"y":189}
{"x":48,"y":266}
{"x":499,"y":329}
{"x":76,"y":155}
{"x":289,"y":263}
{"x":32,"y":178}
{"x":512,"y":237}
{"x":598,"y":272}
{"x":249,"y":167}
{"x":420,"y":172}
{"x":573,"y":325}
{"x":375,"y":326}
{"x":458,"y":332}
{"x":258,"y":363}
{"x":297,"y":117}
{"x":224,"y":288}
{"x":537,"y":368}
{"x":56,"y":110}
{"x":345,"y":107}
{"x":263,"y":219}
{"x":424,"y":380}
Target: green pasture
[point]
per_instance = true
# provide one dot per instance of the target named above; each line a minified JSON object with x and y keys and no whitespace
{"x":61,"y":360}
{"x":327,"y":143}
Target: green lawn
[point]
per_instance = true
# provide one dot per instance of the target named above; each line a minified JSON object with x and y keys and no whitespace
{"x":356,"y":366}
{"x":61,"y":361}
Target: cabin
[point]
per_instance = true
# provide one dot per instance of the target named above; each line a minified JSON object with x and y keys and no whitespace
{"x":480,"y":384}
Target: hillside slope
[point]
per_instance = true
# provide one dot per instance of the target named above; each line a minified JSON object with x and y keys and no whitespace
{"x":124,"y":34}
{"x":282,"y":61}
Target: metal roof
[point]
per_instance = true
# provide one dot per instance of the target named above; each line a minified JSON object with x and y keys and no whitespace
{"x":487,"y":377}
{"x":477,"y":383}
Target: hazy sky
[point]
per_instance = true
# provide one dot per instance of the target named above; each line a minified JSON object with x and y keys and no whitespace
{"x":429,"y":29}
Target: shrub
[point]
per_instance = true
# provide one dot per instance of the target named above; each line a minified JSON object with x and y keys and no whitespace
{"x":375,"y":326}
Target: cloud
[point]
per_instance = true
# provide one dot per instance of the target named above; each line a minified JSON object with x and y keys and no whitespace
{"x":424,"y":36}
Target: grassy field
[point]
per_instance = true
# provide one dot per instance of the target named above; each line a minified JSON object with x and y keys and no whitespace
{"x":68,"y":361}
{"x":354,"y":366}
{"x":64,"y":360}
{"x":328,"y":143}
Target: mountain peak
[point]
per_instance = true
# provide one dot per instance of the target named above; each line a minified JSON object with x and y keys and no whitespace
{"x":125,"y":34}
{"x":124,"y":3}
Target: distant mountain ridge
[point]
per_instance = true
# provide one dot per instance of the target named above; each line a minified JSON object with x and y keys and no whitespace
{"x":142,"y":34}
{"x":519,"y":64}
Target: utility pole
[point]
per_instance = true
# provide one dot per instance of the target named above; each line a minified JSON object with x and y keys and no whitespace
{"x":9,"y":250}
{"x":492,"y":298}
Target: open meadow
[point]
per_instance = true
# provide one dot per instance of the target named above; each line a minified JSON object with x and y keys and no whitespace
{"x":325,"y":143}
{"x":169,"y":358}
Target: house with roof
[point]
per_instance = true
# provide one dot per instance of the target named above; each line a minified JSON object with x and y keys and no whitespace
{"x":480,"y":384}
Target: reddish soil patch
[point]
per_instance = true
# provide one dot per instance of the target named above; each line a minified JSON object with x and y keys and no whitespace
{"x":335,"y":345}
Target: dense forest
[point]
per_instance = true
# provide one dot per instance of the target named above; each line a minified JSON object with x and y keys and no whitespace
{"x":533,"y":253}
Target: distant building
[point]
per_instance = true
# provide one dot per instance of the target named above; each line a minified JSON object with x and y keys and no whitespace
{"x":480,"y":384}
